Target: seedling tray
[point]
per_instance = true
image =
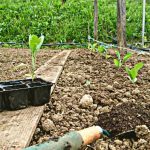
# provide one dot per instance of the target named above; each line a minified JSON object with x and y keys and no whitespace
{"x":22,"y":93}
{"x":1,"y":100}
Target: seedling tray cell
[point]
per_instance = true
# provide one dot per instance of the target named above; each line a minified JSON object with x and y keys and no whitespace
{"x":1,"y":100}
{"x":39,"y":93}
{"x":16,"y":97}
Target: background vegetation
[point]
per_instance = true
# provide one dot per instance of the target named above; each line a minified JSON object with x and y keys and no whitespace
{"x":68,"y":22}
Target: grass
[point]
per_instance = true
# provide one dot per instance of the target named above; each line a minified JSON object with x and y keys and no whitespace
{"x":69,"y":22}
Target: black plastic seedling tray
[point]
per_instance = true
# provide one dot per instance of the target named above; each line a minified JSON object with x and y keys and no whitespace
{"x":22,"y":93}
{"x":16,"y":96}
{"x":1,"y":100}
{"x":39,"y":91}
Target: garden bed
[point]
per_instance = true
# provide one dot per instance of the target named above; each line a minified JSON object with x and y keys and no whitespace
{"x":14,"y":63}
{"x":118,"y":105}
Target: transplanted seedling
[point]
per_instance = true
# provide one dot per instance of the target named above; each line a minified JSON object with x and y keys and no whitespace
{"x":133,"y":73}
{"x":92,"y":47}
{"x":119,"y":62}
{"x":103,"y":51}
{"x":35,"y":44}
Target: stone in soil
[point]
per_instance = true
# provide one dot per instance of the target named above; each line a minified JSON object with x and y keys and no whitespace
{"x":86,"y":101}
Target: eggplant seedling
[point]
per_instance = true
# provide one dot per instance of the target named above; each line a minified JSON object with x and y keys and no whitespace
{"x":119,"y":62}
{"x":133,"y":73}
{"x":35,"y":44}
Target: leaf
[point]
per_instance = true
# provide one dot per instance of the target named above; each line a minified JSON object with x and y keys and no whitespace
{"x":127,"y":70}
{"x":138,"y":66}
{"x":101,"y":49}
{"x":116,"y":62}
{"x":35,"y":43}
{"x":126,"y":57}
{"x":134,"y":71}
{"x":118,"y":54}
{"x":41,"y":42}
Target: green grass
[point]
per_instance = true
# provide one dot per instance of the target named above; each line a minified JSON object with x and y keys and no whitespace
{"x":19,"y":18}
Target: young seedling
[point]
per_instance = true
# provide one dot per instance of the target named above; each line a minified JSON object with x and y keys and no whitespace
{"x":101,"y":49}
{"x":119,"y":62}
{"x":92,"y":47}
{"x":133,"y":73}
{"x":35,"y":44}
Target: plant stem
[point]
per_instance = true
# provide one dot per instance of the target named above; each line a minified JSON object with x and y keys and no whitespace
{"x":33,"y":66}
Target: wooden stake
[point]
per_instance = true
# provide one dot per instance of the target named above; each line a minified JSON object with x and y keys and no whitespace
{"x":95,"y":19}
{"x":143,"y":22}
{"x":121,"y":23}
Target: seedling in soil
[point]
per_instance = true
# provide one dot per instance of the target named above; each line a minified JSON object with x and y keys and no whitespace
{"x":35,"y":44}
{"x":92,"y":47}
{"x":119,"y":62}
{"x":133,"y":73}
{"x":102,"y":49}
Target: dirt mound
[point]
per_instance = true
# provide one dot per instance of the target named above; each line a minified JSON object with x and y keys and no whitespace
{"x":125,"y":117}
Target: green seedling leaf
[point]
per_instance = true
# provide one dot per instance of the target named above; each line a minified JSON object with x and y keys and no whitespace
{"x":118,"y":54}
{"x":35,"y":43}
{"x":126,"y":57}
{"x":117,"y":63}
{"x":101,"y":49}
{"x":92,"y":46}
{"x":133,"y":73}
{"x":139,"y":66}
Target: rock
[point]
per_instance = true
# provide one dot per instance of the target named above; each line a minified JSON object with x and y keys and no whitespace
{"x":37,"y":130}
{"x":92,"y":87}
{"x":136,"y":91}
{"x":48,"y":125}
{"x":127,"y":94}
{"x":116,"y":84}
{"x":112,"y":147}
{"x":57,"y":117}
{"x":109,"y":88}
{"x":102,"y":146}
{"x":94,"y":106}
{"x":118,"y":142}
{"x":148,"y":72}
{"x":105,"y":109}
{"x":142,"y":142}
{"x":124,"y":100}
{"x":142,"y":131}
{"x":86,"y":101}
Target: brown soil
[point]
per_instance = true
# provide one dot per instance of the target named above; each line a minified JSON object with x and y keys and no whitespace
{"x":11,"y":58}
{"x":87,"y":73}
{"x":125,"y":117}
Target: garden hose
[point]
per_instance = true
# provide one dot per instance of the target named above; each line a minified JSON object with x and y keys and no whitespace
{"x":73,"y":141}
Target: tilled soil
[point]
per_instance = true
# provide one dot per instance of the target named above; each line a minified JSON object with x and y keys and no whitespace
{"x":11,"y":59}
{"x":118,"y":105}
